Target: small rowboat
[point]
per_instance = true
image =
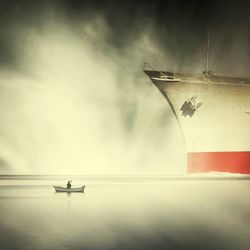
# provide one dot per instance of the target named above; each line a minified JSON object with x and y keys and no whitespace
{"x":69,"y":190}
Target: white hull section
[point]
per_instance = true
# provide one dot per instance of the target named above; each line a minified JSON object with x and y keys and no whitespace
{"x":221,"y":123}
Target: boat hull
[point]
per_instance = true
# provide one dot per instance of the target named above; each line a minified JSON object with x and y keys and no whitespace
{"x":213,"y":115}
{"x":69,"y":190}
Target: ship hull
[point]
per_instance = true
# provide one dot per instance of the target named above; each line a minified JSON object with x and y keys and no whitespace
{"x":213,"y":115}
{"x":230,"y":162}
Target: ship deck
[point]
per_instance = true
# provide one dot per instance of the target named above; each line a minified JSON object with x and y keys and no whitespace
{"x":211,"y":78}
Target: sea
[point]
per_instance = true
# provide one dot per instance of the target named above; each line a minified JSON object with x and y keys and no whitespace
{"x":124,"y":212}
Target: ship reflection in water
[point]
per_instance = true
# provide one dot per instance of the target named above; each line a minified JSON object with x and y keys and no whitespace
{"x":126,"y":213}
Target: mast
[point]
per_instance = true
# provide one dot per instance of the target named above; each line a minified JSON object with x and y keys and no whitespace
{"x":207,"y":49}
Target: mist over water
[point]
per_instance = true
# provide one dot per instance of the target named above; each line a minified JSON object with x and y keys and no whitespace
{"x":75,"y":104}
{"x":73,"y":98}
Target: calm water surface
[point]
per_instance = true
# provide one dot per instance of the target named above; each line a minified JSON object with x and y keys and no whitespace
{"x":125,"y":213}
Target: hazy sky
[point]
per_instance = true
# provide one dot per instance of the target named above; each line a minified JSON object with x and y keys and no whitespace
{"x":72,"y":97}
{"x":177,"y":25}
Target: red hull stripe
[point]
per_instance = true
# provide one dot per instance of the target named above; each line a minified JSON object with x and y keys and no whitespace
{"x":232,"y":162}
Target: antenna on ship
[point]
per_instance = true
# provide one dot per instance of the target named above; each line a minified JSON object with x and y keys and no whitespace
{"x":208,"y":72}
{"x":207,"y":49}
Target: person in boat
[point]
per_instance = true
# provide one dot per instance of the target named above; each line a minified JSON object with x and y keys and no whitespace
{"x":69,"y":184}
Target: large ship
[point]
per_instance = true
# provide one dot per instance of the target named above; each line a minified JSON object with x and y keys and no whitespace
{"x":213,"y":113}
